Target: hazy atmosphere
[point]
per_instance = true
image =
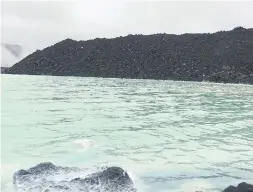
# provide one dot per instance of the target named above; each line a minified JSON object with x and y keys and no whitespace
{"x":36,"y":25}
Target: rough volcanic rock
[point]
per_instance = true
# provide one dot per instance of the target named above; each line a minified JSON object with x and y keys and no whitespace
{"x":224,"y":56}
{"x":3,"y":69}
{"x":241,"y":187}
{"x":48,"y":177}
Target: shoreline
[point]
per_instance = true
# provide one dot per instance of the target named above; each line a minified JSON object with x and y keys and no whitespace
{"x":171,"y":80}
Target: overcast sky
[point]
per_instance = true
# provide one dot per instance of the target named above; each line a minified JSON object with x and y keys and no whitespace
{"x":36,"y":25}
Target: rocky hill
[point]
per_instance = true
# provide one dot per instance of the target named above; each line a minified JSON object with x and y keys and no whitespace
{"x":224,"y":56}
{"x":3,"y":69}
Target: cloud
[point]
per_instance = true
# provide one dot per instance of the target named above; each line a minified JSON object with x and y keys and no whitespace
{"x":182,"y":17}
{"x":38,"y":24}
{"x":37,"y":10}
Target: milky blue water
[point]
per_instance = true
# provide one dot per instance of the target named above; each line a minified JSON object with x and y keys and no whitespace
{"x":169,"y":136}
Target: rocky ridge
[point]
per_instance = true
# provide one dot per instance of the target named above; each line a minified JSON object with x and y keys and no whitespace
{"x":224,"y":56}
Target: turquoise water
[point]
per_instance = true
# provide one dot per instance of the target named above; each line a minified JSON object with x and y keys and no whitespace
{"x":169,"y":136}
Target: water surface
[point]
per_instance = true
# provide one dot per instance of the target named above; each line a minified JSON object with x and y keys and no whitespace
{"x":169,"y":136}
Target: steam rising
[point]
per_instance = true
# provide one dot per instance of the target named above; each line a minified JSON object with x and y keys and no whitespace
{"x":15,"y":50}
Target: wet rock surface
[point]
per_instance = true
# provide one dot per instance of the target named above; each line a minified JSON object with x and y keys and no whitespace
{"x":48,"y":177}
{"x":225,"y":56}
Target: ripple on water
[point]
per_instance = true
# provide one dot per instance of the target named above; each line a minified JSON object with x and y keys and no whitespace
{"x":171,"y":135}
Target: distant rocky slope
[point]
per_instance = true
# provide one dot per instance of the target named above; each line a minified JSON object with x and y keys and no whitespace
{"x":3,"y":69}
{"x":224,"y":56}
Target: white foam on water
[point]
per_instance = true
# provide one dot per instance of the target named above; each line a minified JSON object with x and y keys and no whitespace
{"x":188,"y":186}
{"x":137,"y":183}
{"x":46,"y":180}
{"x":83,"y":144}
{"x":132,"y":176}
{"x":7,"y":171}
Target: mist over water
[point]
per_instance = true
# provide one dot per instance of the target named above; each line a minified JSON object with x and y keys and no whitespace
{"x":169,"y":136}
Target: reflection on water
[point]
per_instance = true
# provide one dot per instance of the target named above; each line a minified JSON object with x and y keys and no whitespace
{"x":169,"y":135}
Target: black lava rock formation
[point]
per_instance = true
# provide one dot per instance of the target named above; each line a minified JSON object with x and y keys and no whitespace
{"x":3,"y":69}
{"x":224,"y":56}
{"x":242,"y":187}
{"x":48,"y":177}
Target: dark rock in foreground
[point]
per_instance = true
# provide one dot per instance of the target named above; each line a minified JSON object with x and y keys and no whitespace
{"x":224,"y":56}
{"x":242,"y":187}
{"x":48,"y":177}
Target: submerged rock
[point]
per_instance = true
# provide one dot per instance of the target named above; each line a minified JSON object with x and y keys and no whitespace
{"x":241,"y":187}
{"x":48,"y":177}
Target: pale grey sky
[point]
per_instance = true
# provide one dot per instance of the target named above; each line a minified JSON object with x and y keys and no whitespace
{"x":38,"y":24}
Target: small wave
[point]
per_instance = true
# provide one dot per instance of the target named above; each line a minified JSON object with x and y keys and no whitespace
{"x":83,"y":144}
